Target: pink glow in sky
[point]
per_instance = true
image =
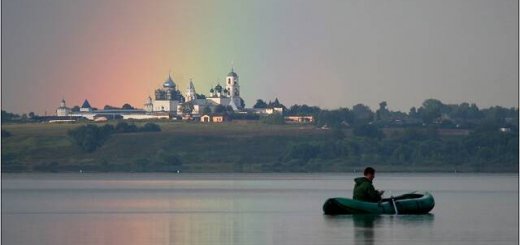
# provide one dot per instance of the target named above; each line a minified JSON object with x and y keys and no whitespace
{"x":326,"y":53}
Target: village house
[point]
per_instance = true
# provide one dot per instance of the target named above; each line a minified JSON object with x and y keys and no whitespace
{"x":215,"y":118}
{"x":299,"y":119}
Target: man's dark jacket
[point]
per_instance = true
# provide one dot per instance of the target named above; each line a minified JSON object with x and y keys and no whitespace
{"x":365,"y":191}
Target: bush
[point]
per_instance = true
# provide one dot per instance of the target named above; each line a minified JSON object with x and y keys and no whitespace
{"x":150,"y":127}
{"x":275,"y":118}
{"x":124,"y":127}
{"x":89,"y":137}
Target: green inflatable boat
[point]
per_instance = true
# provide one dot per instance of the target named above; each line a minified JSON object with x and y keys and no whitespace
{"x":410,"y":203}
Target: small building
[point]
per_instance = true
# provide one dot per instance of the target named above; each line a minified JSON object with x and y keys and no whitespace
{"x":63,"y":110}
{"x":62,"y":121}
{"x":269,"y":110}
{"x":106,"y":116}
{"x":187,"y":117}
{"x":85,"y":107}
{"x":299,"y":119}
{"x":146,"y":116}
{"x":100,"y":119}
{"x":59,"y":119}
{"x":217,"y":118}
{"x":148,"y":106}
{"x":205,"y":118}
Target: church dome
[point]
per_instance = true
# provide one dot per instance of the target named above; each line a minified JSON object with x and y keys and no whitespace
{"x":169,"y":83}
{"x":232,"y":73}
{"x":218,"y":88}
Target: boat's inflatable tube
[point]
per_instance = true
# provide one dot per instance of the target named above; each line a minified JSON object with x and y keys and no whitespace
{"x":411,"y":203}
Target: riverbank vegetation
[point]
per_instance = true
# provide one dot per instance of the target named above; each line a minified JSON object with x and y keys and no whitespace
{"x":433,"y":137}
{"x":254,"y":147}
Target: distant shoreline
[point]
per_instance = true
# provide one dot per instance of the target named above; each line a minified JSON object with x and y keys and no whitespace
{"x":250,"y":148}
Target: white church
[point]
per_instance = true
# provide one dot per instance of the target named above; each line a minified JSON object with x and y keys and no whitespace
{"x":170,"y":101}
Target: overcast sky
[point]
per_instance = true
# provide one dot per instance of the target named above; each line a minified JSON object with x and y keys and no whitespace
{"x":330,"y":53}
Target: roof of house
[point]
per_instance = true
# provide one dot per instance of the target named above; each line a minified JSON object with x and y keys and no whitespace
{"x":86,"y":104}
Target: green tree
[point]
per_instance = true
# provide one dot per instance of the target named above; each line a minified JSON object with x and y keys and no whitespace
{"x":206,"y":110}
{"x":124,"y":127}
{"x":382,"y":112}
{"x":187,"y":107}
{"x":109,"y":107}
{"x":275,"y":104}
{"x":7,"y":116}
{"x":127,"y":106}
{"x":150,"y":127}
{"x":260,"y":104}
{"x":89,"y":137}
{"x":275,"y":118}
{"x":413,"y":113}
{"x":303,"y":110}
{"x":219,"y":109}
{"x":334,"y":118}
{"x":431,"y":110}
{"x":362,"y":114}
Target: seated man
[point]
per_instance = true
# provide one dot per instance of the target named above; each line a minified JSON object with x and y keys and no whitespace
{"x":364,"y":190}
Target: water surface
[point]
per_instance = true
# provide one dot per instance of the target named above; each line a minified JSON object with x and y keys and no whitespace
{"x":59,"y":209}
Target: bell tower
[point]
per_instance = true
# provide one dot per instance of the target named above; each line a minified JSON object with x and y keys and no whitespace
{"x":190,"y":92}
{"x":232,"y":86}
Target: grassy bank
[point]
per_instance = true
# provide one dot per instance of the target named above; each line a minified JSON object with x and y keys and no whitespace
{"x":202,"y":147}
{"x":227,"y":147}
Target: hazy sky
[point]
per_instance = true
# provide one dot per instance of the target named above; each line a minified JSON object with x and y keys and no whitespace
{"x":329,"y":53}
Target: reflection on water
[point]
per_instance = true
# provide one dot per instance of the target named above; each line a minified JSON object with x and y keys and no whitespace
{"x":372,"y":229}
{"x":364,"y":228}
{"x":247,"y":209}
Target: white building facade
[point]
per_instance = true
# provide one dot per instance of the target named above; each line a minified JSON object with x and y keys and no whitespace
{"x":169,"y":99}
{"x":228,"y":96}
{"x":63,"y":110}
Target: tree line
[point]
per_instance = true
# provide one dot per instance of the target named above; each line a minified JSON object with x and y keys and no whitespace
{"x":431,"y":112}
{"x":481,"y":150}
{"x":90,"y":137}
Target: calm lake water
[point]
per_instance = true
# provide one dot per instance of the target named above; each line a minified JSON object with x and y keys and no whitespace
{"x":59,"y":209}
